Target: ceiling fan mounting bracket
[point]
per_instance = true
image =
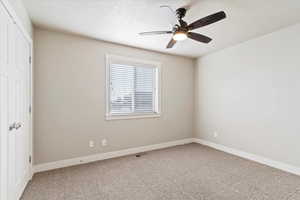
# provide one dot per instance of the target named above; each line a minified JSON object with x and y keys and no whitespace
{"x":180,"y":13}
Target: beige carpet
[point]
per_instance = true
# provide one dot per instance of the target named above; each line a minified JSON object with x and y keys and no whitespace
{"x":188,"y":172}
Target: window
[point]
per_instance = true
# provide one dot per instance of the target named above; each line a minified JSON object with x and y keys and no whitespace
{"x":132,"y":88}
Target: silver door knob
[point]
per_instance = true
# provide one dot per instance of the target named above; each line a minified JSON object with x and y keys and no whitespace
{"x":12,"y":126}
{"x":18,"y":125}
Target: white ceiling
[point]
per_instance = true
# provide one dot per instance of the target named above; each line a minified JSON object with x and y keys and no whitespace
{"x":120,"y":21}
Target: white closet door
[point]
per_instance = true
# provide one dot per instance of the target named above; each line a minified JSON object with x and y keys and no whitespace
{"x":4,"y":23}
{"x":14,"y":102}
{"x":18,"y":149}
{"x":22,"y":105}
{"x":12,"y":110}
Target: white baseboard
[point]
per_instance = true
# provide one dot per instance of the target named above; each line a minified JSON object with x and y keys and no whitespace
{"x":260,"y":159}
{"x":103,"y":156}
{"x":130,"y":151}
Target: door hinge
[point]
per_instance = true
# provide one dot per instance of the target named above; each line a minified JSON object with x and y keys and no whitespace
{"x":29,"y":159}
{"x":29,"y":109}
{"x":30,"y":60}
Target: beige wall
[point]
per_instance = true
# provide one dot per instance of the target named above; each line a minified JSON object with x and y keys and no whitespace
{"x":21,"y":12}
{"x":250,"y":95}
{"x":70,"y":98}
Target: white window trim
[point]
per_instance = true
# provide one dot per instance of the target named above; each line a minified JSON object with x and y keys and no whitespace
{"x":109,"y":59}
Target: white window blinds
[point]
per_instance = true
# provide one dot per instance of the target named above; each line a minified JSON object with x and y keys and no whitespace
{"x":133,"y":90}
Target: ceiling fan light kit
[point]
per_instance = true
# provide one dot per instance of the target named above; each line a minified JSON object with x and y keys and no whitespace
{"x":183,"y":30}
{"x":180,"y":35}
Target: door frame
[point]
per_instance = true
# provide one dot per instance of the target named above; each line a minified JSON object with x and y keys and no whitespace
{"x":12,"y":13}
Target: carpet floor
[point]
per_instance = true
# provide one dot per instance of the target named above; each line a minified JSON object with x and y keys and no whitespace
{"x":187,"y":172}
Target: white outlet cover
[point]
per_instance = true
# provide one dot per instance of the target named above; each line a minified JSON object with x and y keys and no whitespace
{"x":215,"y":134}
{"x":91,"y":144}
{"x":104,"y":142}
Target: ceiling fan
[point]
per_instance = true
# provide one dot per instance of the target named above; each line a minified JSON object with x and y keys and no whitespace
{"x":182,"y":30}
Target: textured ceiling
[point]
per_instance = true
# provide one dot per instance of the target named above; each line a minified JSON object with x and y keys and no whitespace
{"x":120,"y":21}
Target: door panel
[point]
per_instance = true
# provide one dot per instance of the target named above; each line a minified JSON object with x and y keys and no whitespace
{"x":4,"y":20}
{"x":18,"y":99}
{"x":22,"y":138}
{"x":14,"y":102}
{"x":4,"y":133}
{"x":11,"y":139}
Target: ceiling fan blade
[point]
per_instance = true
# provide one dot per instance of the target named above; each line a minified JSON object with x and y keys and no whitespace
{"x":207,"y":20}
{"x":198,"y":37}
{"x":156,"y":33}
{"x":171,"y":43}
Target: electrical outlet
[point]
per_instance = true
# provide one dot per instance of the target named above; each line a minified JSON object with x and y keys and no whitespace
{"x":91,"y":144}
{"x":216,"y":134}
{"x":104,"y":142}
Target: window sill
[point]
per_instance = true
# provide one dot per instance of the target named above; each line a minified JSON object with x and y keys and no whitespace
{"x":124,"y":117}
